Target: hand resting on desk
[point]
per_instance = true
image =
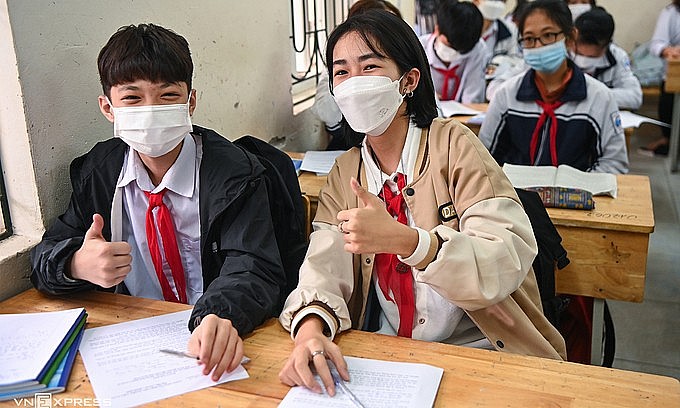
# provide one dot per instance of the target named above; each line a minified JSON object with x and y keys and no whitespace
{"x":313,"y":347}
{"x":217,"y":344}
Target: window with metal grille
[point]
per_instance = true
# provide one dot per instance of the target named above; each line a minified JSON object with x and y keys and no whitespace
{"x":5,"y":222}
{"x":311,"y":22}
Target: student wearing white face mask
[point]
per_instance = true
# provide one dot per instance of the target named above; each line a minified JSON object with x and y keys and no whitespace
{"x":598,"y":56}
{"x":456,"y":53}
{"x":499,"y":36}
{"x":578,"y":7}
{"x":418,"y":232}
{"x":166,"y":210}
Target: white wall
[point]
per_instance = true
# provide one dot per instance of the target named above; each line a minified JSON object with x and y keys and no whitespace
{"x":241,"y":54}
{"x":635,"y":19}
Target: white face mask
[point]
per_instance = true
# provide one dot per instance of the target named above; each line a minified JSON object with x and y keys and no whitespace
{"x":444,"y":52}
{"x":590,"y":64}
{"x":492,"y":9}
{"x":578,"y":9}
{"x":153,"y":130}
{"x":369,"y":103}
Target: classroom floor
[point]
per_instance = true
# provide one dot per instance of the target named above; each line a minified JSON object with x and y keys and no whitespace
{"x":648,"y":333}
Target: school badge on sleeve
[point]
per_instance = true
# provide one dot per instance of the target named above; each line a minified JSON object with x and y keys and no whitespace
{"x":616,"y":121}
{"x":447,"y":212}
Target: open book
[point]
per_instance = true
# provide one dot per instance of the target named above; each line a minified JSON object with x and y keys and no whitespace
{"x":562,"y":176}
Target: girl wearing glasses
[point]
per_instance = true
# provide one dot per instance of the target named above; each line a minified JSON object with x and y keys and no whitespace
{"x":554,"y":114}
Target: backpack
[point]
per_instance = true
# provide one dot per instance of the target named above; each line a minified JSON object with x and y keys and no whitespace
{"x":648,"y":68}
{"x":286,"y":207}
{"x":570,"y":314}
{"x":551,"y":254}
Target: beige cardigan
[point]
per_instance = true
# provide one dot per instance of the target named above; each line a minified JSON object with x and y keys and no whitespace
{"x":485,"y":269}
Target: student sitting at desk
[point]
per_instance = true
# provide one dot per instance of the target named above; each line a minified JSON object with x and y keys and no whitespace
{"x":598,"y":56}
{"x":554,"y":114}
{"x":163,"y":210}
{"x":499,"y":36}
{"x":418,"y":232}
{"x":456,"y":53}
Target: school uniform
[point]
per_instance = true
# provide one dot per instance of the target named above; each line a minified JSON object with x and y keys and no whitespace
{"x":471,"y":269}
{"x":501,"y":39}
{"x":588,"y":133}
{"x":231,"y":270}
{"x":619,"y":78}
{"x":461,"y":80}
{"x":667,"y":30}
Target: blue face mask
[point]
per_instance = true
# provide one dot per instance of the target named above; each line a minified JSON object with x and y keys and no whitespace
{"x":547,"y":58}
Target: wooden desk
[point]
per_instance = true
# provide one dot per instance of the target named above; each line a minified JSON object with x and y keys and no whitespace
{"x":673,"y":86}
{"x":471,"y":377}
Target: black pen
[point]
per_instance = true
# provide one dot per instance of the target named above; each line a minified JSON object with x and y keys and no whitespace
{"x":244,"y":360}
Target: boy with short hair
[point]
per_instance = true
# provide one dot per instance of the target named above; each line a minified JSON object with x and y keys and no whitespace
{"x":598,"y":56}
{"x":456,"y":53}
{"x":165,"y":210}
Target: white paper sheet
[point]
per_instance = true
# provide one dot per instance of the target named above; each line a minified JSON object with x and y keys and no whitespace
{"x":28,"y":340}
{"x":452,"y":108}
{"x":630,"y":120}
{"x":376,"y":384}
{"x":126,"y":367}
{"x":320,"y":162}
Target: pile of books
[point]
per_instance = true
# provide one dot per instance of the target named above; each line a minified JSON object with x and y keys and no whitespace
{"x":37,"y":351}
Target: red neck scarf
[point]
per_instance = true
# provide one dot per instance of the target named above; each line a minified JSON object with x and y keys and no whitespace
{"x":548,"y":112}
{"x":394,"y":275}
{"x":449,"y":74}
{"x":169,"y":241}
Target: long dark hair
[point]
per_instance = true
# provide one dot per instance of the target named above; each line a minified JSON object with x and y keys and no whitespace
{"x":388,"y":36}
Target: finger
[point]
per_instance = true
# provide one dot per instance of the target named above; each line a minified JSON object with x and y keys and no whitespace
{"x":221,"y":353}
{"x":306,"y":377}
{"x":120,"y":248}
{"x":238,"y":355}
{"x":95,"y":230}
{"x":206,"y":340}
{"x":325,"y":373}
{"x":340,"y":363}
{"x":368,"y":199}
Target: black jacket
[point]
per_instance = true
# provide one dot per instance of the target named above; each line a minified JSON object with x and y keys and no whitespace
{"x":242,"y":272}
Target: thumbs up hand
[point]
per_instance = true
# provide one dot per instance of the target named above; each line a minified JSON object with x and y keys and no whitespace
{"x":98,"y":261}
{"x":370,"y":229}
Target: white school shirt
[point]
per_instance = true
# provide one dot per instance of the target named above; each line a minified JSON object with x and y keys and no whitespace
{"x":436,"y":319}
{"x":471,"y":67}
{"x":666,"y":31}
{"x":181,"y":198}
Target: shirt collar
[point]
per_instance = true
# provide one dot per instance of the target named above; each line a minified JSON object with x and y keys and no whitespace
{"x":179,"y":177}
{"x":409,"y":155}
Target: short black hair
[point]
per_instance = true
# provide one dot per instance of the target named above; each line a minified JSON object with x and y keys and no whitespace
{"x":592,"y":2}
{"x":461,"y":23}
{"x":556,"y":10}
{"x":595,"y":27}
{"x":146,"y":51}
{"x":388,"y":36}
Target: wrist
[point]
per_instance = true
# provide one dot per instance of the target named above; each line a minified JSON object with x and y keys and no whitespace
{"x":408,"y":242}
{"x":311,"y":325}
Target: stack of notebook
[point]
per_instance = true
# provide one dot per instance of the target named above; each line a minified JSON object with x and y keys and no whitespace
{"x":37,"y":351}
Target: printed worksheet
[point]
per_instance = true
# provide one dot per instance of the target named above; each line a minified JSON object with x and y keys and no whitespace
{"x":375,"y":384}
{"x":127,"y":368}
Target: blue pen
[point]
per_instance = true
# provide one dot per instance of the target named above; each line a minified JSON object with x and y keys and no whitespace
{"x":341,"y":384}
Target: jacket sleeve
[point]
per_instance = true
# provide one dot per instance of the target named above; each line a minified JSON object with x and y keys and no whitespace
{"x":247,"y":288}
{"x":473,"y":82}
{"x":50,"y":258}
{"x":625,"y":86}
{"x":613,"y":156}
{"x":491,"y":129}
{"x":661,"y":37}
{"x":487,"y":257}
{"x":327,"y":273}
